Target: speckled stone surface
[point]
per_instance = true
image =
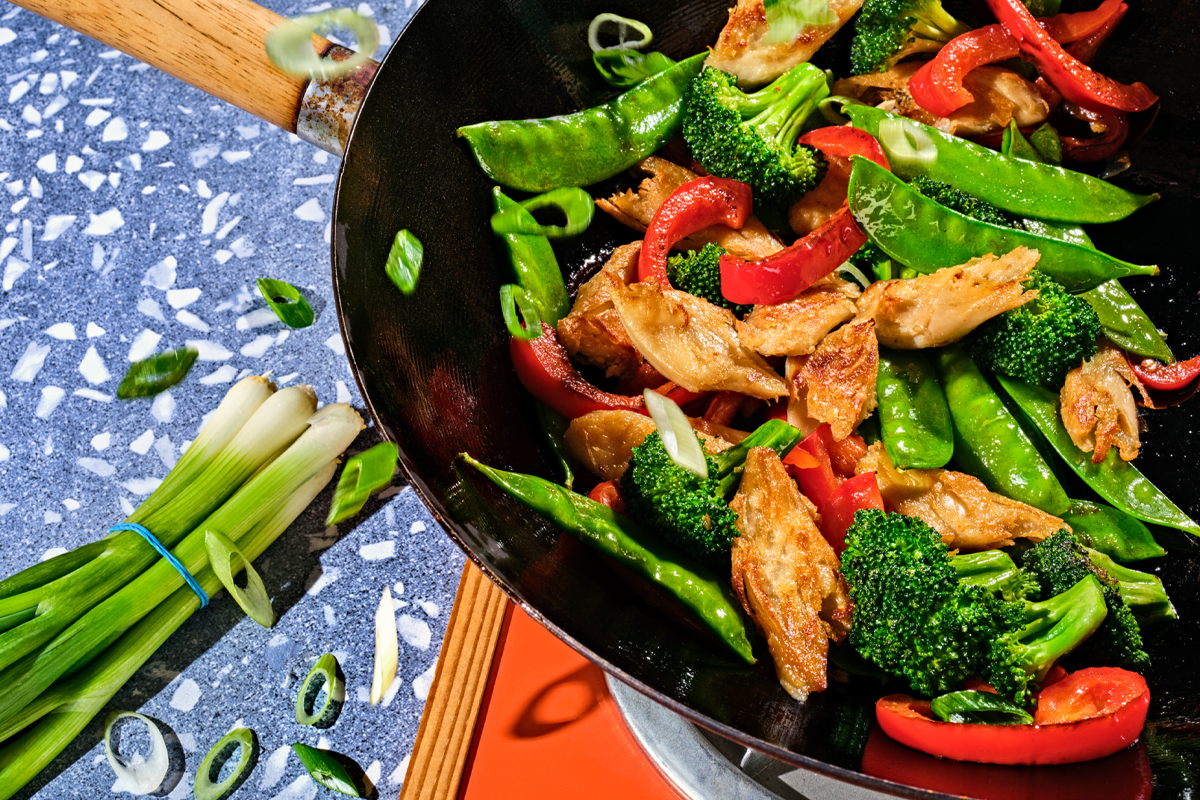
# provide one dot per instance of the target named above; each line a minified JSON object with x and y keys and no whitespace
{"x":137,"y":213}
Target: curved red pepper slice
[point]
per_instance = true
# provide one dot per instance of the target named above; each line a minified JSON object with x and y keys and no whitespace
{"x":692,"y":207}
{"x":1074,"y":80}
{"x":859,"y":492}
{"x":544,"y":368}
{"x":1084,"y":48}
{"x":842,"y":142}
{"x":1166,"y":377}
{"x":608,"y":493}
{"x":1114,"y":128}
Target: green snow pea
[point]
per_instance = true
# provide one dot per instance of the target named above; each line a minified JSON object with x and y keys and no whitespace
{"x":914,"y":419}
{"x":988,"y":441}
{"x":1117,"y":481}
{"x":1016,"y":185}
{"x":1111,"y":531}
{"x":621,"y":539}
{"x":927,"y":236}
{"x":534,"y":265}
{"x":535,"y":155}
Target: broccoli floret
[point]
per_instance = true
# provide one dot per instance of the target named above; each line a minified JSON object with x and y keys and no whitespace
{"x":1142,"y":592}
{"x":887,"y":31}
{"x":873,"y":261}
{"x":1041,"y":340}
{"x":994,"y":571}
{"x":699,"y":273}
{"x":1057,"y":563}
{"x":752,"y":137}
{"x":690,"y":513}
{"x":966,"y":204}
{"x":915,"y":618}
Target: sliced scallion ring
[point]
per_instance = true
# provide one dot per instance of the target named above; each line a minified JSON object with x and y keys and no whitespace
{"x":623,"y":25}
{"x":223,"y":556}
{"x":209,"y":785}
{"x":290,"y":46}
{"x":855,"y":273}
{"x":678,"y":438}
{"x":514,"y":300}
{"x":906,"y":142}
{"x":137,"y":775}
{"x":326,"y":770}
{"x":626,"y":68}
{"x":831,"y":106}
{"x":364,"y":474}
{"x":786,"y":19}
{"x":404,"y":261}
{"x":287,"y":302}
{"x":387,"y":647}
{"x":157,"y":373}
{"x":325,"y":675}
{"x":575,"y":203}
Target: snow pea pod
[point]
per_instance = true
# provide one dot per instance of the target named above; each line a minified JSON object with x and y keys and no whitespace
{"x":579,"y":149}
{"x":988,"y":441}
{"x":926,"y":235}
{"x":914,"y":419}
{"x":1118,"y":535}
{"x":1016,"y":185}
{"x":1117,"y":481}
{"x":621,"y":539}
{"x":534,"y":265}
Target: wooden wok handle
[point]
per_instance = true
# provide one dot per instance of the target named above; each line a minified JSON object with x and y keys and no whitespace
{"x":215,"y":45}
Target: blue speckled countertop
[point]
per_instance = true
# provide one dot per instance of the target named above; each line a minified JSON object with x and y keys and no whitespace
{"x":137,"y":213}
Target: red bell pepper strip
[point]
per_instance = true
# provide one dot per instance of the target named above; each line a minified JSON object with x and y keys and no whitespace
{"x":545,"y":370}
{"x":1084,"y":48}
{"x":1121,"y":702}
{"x":724,"y":407}
{"x":678,"y":395}
{"x":1087,"y":694}
{"x":692,"y":207}
{"x":843,"y":142}
{"x":813,"y":470}
{"x":1114,"y":127}
{"x":608,"y":493}
{"x":1166,"y":377}
{"x":938,"y":85}
{"x":1074,"y":80}
{"x":859,"y":492}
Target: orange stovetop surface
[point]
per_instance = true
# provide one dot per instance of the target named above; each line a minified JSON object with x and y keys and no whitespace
{"x":549,"y":729}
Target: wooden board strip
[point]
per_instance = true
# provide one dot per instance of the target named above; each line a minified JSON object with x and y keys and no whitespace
{"x":448,"y":724}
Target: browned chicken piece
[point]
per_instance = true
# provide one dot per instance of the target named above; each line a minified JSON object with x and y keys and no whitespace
{"x":1098,"y":407}
{"x":1000,"y":95}
{"x":816,"y":207}
{"x":636,"y":209}
{"x":592,"y":332}
{"x":796,"y":327}
{"x":747,"y":49}
{"x":603,"y":441}
{"x":836,"y":384}
{"x":938,"y":309}
{"x":691,"y":341}
{"x":957,"y":505}
{"x":786,"y":574}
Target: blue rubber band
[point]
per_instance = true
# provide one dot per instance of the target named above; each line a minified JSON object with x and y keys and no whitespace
{"x":165,"y":553}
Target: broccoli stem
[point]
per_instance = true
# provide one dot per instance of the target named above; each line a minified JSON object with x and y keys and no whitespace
{"x":1055,"y":627}
{"x":1142,"y":592}
{"x":993,"y":570}
{"x":775,"y":434}
{"x":783,"y":107}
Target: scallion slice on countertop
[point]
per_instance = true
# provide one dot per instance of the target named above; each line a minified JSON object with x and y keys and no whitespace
{"x":157,"y":373}
{"x":622,"y":26}
{"x":326,"y":770}
{"x":387,"y":647}
{"x":325,"y":678}
{"x":137,"y":775}
{"x":678,"y":438}
{"x":514,"y":299}
{"x":226,"y":559}
{"x":287,"y":302}
{"x":575,"y":203}
{"x":364,"y":474}
{"x":906,"y":142}
{"x":208,"y":784}
{"x":290,"y":46}
{"x":405,"y":260}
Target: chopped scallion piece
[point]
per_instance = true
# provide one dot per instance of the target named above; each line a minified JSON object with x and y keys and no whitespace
{"x":626,"y":68}
{"x":787,"y":19}
{"x":623,"y":26}
{"x":575,"y":203}
{"x":404,"y":261}
{"x":208,"y":784}
{"x":855,"y":274}
{"x":678,"y":438}
{"x":287,"y":302}
{"x":326,"y":674}
{"x":906,"y":143}
{"x":137,"y":775}
{"x":528,"y":325}
{"x":326,"y":770}
{"x":387,"y":647}
{"x":223,"y":555}
{"x":157,"y":373}
{"x":831,"y":108}
{"x":290,"y":46}
{"x":364,"y":475}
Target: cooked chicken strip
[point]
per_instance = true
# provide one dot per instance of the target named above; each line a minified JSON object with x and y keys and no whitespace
{"x":836,"y":384}
{"x":786,"y":574}
{"x":956,"y":505}
{"x":746,"y":49}
{"x":796,"y":327}
{"x":691,"y":341}
{"x":592,"y":332}
{"x":938,"y":309}
{"x":603,"y":441}
{"x":636,"y":209}
{"x":1098,"y":407}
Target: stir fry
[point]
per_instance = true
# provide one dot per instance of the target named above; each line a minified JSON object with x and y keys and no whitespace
{"x":825,"y":391}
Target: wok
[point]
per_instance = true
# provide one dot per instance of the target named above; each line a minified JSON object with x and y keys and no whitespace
{"x":435,"y":372}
